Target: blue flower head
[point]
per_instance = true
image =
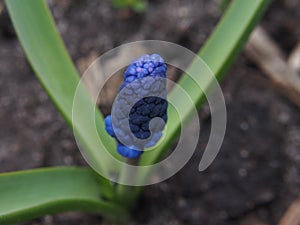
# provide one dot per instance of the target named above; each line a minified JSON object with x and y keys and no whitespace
{"x":146,"y":77}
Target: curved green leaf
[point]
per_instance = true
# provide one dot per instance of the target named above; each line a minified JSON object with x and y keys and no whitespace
{"x":56,"y":72}
{"x":33,"y":193}
{"x":219,"y":53}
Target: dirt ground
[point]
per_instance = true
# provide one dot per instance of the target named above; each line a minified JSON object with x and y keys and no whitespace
{"x":257,"y":172}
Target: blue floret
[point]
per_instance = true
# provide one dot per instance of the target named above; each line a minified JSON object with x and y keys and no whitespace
{"x":128,"y":152}
{"x":108,"y":126}
{"x":138,"y":80}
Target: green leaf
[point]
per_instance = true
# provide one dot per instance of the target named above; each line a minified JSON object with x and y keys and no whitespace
{"x":56,"y":72}
{"x":219,"y":53}
{"x":137,"y":5}
{"x":33,"y":193}
{"x":224,"y":4}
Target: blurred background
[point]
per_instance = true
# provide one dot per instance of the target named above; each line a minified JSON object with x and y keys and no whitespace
{"x":256,"y":177}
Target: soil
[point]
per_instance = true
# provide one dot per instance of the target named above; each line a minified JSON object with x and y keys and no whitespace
{"x":257,"y":172}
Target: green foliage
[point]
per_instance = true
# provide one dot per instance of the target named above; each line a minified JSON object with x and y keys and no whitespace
{"x":136,"y":5}
{"x":219,"y":52}
{"x":224,"y":4}
{"x":56,"y":72}
{"x":33,"y":193}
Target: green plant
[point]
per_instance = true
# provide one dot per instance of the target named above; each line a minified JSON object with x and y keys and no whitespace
{"x":136,"y":5}
{"x":29,"y":194}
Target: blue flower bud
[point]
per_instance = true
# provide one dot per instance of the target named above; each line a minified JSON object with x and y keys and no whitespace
{"x":145,"y":76}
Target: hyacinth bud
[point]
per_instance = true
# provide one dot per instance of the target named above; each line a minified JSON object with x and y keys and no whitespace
{"x":141,"y":100}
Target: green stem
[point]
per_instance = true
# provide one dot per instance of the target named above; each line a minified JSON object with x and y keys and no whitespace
{"x":124,"y":191}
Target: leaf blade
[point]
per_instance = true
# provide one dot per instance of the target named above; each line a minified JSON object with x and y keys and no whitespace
{"x":33,"y":193}
{"x":219,"y":53}
{"x":53,"y":66}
